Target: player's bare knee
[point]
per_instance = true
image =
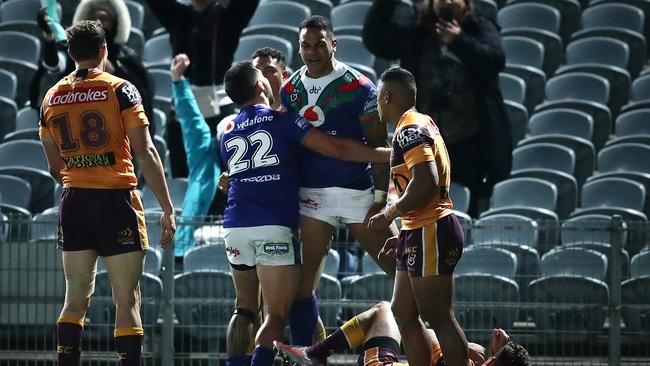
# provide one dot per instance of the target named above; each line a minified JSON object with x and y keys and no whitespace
{"x":402,"y":317}
{"x":127,"y":299}
{"x":439,"y":319}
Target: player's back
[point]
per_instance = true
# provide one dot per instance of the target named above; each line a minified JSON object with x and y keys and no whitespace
{"x":261,"y":148}
{"x":88,"y":113}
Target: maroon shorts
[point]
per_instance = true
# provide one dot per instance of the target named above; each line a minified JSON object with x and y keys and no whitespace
{"x":110,"y":221}
{"x":431,"y":250}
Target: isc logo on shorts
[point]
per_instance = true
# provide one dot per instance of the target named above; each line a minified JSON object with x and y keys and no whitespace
{"x":276,"y":248}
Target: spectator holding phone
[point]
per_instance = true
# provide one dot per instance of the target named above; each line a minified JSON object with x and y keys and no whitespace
{"x":456,"y":57}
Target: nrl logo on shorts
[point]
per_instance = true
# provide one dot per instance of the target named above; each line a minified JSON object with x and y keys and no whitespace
{"x":276,"y":248}
{"x":125,"y":237}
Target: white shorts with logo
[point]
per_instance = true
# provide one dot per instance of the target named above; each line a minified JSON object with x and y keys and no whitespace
{"x":336,"y":205}
{"x":269,"y":245}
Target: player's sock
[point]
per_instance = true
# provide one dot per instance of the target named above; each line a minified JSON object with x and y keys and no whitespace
{"x":128,"y":344}
{"x":244,"y":360}
{"x":262,"y":356}
{"x":302,"y":320}
{"x":349,"y":336}
{"x":68,"y":341}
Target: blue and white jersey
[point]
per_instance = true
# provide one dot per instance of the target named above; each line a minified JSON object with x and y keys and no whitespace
{"x":262,"y":150}
{"x":336,"y":104}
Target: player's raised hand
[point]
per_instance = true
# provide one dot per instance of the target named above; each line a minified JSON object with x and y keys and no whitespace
{"x":180,"y":63}
{"x":168,"y":224}
{"x":499,"y":339}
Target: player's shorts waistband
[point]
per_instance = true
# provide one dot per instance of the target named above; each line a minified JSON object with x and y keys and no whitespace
{"x":360,"y":185}
{"x":82,"y":189}
{"x":381,"y":342}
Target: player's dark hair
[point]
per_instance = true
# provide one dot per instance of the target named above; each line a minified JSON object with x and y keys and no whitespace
{"x":513,"y":354}
{"x":402,"y":77}
{"x":271,"y":53}
{"x":239,"y":82}
{"x":318,"y":21}
{"x":85,"y":39}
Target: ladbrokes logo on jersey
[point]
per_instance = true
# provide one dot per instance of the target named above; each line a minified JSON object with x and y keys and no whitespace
{"x":82,"y":95}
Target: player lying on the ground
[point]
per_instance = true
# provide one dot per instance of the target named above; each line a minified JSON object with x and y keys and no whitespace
{"x":377,"y":332}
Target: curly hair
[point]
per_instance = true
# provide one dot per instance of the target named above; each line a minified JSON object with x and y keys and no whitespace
{"x":513,"y":354}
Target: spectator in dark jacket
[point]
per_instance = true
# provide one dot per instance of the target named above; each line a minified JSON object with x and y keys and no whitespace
{"x":456,"y":63}
{"x":122,"y":61}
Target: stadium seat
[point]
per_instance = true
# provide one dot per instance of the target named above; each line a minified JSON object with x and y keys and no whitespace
{"x":136,"y":42}
{"x":460,"y":196}
{"x":486,"y":260}
{"x":152,"y":261}
{"x":136,"y":11}
{"x":553,"y":45}
{"x":470,"y":289}
{"x":8,"y":84}
{"x":45,"y":226}
{"x":332,"y":263}
{"x":600,"y":50}
{"x":27,"y":118}
{"x":588,"y":229}
{"x":248,"y":44}
{"x":569,"y":11}
{"x":569,"y":324}
{"x":547,"y":222}
{"x":20,"y":46}
{"x":30,"y":270}
{"x":317,"y":7}
{"x":15,"y":191}
{"x":518,"y":117}
{"x":177,"y":189}
{"x":614,"y":15}
{"x":203,"y":312}
{"x":206,"y":257}
{"x":486,"y":8}
{"x":508,"y":228}
{"x":625,"y":160}
{"x":639,"y":4}
{"x":369,"y":266}
{"x":367,"y":71}
{"x":349,"y":15}
{"x":535,"y":81}
{"x":533,"y":15}
{"x":157,"y":52}
{"x":280,"y":12}
{"x":101,"y":314}
{"x":606,"y":250}
{"x":633,"y":123}
{"x":580,"y":86}
{"x":351,"y":49}
{"x":373,"y":286}
{"x":544,"y":155}
{"x":8,"y":112}
{"x":40,"y":181}
{"x":635,"y":293}
{"x":636,"y":43}
{"x":641,"y":89}
{"x":563,"y":261}
{"x":528,"y":264}
{"x":614,"y":192}
{"x":20,"y":10}
{"x":640,"y":264}
{"x":527,"y":192}
{"x":523,"y":51}
{"x":329,"y":295}
{"x":162,"y":80}
{"x":23,"y":153}
{"x":31,"y":134}
{"x":512,"y":87}
{"x":3,"y":225}
{"x":159,"y":121}
{"x":163,"y":151}
{"x":562,"y":121}
{"x":567,"y":186}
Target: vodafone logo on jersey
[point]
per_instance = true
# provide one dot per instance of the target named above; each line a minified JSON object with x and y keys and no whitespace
{"x":82,"y":95}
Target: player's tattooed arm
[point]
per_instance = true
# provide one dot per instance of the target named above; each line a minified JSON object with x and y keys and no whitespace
{"x":376,"y":135}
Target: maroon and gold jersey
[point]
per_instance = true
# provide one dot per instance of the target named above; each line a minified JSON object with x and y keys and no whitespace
{"x":416,"y":140}
{"x":88,"y":113}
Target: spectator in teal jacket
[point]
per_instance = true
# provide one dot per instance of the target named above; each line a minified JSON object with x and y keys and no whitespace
{"x":202,"y":157}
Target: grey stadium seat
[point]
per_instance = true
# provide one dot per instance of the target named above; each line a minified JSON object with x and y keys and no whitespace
{"x":636,"y":43}
{"x":640,"y":264}
{"x":45,"y":226}
{"x":136,"y":42}
{"x":523,"y":51}
{"x":633,"y":123}
{"x":624,"y":158}
{"x":20,"y":46}
{"x":518,"y":117}
{"x":553,"y":46}
{"x":512,"y":87}
{"x":635,"y":292}
{"x":27,"y":118}
{"x":535,"y":80}
{"x":349,"y":15}
{"x":532,"y":15}
{"x":486,"y":260}
{"x":15,"y":191}
{"x":543,"y":155}
{"x":157,"y":52}
{"x":569,"y":11}
{"x":566,"y":184}
{"x":614,"y":192}
{"x":317,"y":7}
{"x":460,"y":196}
{"x":562,"y":121}
{"x":136,"y":11}
{"x":23,"y":153}
{"x":31,"y":134}
{"x":8,"y":84}
{"x":329,"y":295}
{"x":588,"y":229}
{"x":24,"y":10}
{"x":332,"y":263}
{"x":574,"y":262}
{"x":206,"y":257}
{"x":368,"y":265}
{"x":351,"y":49}
{"x":507,"y":228}
{"x":580,"y":86}
{"x":614,"y":15}
{"x":280,"y":12}
{"x":8,"y":112}
{"x":529,"y":192}
{"x":41,"y":182}
{"x":162,"y":81}
{"x":641,"y":88}
{"x":602,"y":50}
{"x":177,"y":190}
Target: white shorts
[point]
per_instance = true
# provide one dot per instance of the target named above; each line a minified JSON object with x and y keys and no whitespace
{"x":336,"y":205}
{"x":268,"y":245}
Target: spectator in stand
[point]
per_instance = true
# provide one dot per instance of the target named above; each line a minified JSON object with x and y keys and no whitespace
{"x":456,"y":57}
{"x":122,"y":60}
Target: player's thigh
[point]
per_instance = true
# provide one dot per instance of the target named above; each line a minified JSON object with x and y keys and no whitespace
{"x":279,"y":287}
{"x":383,"y":323}
{"x":80,"y":267}
{"x":125,"y":271}
{"x":316,"y":237}
{"x":403,"y":303}
{"x":246,"y":288}
{"x":442,"y":288}
{"x":371,"y":240}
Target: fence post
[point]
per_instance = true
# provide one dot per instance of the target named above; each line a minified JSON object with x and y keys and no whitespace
{"x":615,"y":291}
{"x":167,"y":310}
